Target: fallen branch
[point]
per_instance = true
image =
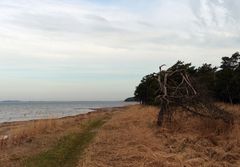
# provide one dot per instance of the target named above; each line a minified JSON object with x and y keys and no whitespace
{"x":176,"y":89}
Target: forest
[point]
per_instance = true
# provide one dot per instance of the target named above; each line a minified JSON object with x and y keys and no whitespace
{"x":216,"y":83}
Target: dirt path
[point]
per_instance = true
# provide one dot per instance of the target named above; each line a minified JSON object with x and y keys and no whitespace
{"x":68,"y":150}
{"x":52,"y":142}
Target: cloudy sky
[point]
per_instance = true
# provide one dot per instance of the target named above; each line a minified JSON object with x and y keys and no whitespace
{"x":100,"y":49}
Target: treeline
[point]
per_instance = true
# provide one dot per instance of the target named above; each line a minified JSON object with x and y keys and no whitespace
{"x":220,"y":83}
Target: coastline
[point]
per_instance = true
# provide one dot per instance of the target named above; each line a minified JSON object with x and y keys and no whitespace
{"x":6,"y":126}
{"x":123,"y":136}
{"x":20,"y":140}
{"x":27,"y":111}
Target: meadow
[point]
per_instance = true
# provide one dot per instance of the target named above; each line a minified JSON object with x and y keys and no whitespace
{"x":124,"y":137}
{"x":131,"y":138}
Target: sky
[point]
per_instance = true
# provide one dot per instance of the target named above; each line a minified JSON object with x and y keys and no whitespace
{"x":100,"y":49}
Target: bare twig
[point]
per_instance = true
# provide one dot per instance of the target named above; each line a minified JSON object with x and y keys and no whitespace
{"x":176,"y":89}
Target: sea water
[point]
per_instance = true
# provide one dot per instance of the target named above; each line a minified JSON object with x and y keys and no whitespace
{"x":23,"y":111}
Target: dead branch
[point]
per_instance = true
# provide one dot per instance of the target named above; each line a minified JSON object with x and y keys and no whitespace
{"x":177,"y":89}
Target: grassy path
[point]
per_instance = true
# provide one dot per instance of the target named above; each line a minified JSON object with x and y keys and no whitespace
{"x":68,"y":150}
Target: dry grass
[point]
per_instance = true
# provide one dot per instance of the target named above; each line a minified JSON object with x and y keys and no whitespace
{"x":69,"y":149}
{"x":21,"y":132}
{"x":29,"y":138}
{"x":131,"y":138}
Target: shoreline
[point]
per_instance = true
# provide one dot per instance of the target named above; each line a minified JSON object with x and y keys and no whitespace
{"x":6,"y":126}
{"x":24,"y":140}
{"x":45,"y":115}
{"x":123,"y":136}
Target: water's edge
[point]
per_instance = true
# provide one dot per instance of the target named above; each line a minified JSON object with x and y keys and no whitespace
{"x":26,"y":111}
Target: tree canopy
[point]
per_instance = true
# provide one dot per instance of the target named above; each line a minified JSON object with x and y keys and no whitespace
{"x":193,"y":89}
{"x":222,"y":84}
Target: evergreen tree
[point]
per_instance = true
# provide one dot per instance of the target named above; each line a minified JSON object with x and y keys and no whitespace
{"x":228,"y":79}
{"x":222,"y":84}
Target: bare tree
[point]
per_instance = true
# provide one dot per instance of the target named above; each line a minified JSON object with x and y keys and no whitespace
{"x":176,"y":88}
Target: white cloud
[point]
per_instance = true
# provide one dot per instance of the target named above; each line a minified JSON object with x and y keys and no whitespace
{"x":110,"y":41}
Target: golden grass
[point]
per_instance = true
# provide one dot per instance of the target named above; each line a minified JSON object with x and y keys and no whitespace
{"x":131,"y":138}
{"x":69,"y":149}
{"x":29,"y":138}
{"x":24,"y":132}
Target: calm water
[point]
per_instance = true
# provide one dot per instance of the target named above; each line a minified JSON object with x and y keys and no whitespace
{"x":21,"y":111}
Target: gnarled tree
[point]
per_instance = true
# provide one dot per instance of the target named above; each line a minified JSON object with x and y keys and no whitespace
{"x":177,"y":88}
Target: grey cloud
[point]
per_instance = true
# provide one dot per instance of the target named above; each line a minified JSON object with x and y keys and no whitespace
{"x":63,"y":37}
{"x":145,"y":24}
{"x":96,"y":18}
{"x":63,"y":23}
{"x":47,"y":22}
{"x":233,"y":7}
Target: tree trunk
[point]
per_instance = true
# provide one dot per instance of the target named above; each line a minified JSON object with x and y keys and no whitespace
{"x":161,"y":115}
